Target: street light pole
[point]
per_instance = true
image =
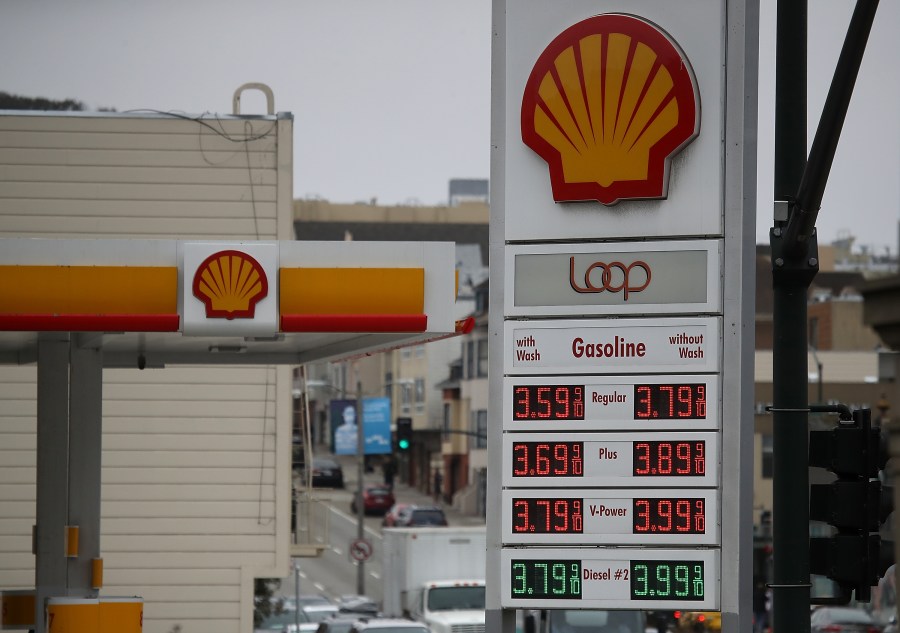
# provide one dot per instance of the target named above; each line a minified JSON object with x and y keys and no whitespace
{"x":360,"y":505}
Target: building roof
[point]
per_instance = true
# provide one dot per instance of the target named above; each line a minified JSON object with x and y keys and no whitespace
{"x":394,"y":232}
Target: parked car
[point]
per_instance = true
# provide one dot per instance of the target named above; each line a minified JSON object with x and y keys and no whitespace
{"x":290,"y":602}
{"x":327,"y":473}
{"x":357,"y":606}
{"x":318,"y":612}
{"x":377,"y":499}
{"x":338,"y":624}
{"x":426,"y":515}
{"x":398,"y":515}
{"x":842,"y":620}
{"x":388,"y":625}
{"x":276,"y":622}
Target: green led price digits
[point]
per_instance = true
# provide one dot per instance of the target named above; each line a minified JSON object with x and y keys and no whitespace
{"x":667,"y":580}
{"x":536,"y":579}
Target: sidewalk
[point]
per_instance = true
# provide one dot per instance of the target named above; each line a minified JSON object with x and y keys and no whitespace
{"x":403,"y":492}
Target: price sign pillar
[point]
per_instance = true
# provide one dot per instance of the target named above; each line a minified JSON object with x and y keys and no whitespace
{"x":621,"y":308}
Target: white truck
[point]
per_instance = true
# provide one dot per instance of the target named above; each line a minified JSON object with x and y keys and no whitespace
{"x":436,"y":576}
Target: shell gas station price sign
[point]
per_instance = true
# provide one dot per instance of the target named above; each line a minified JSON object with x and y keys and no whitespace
{"x":651,"y":516}
{"x":622,"y":206}
{"x":601,"y":403}
{"x":673,"y":458}
{"x":601,"y":578}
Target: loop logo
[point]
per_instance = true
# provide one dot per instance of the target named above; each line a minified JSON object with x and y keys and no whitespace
{"x":614,"y":277}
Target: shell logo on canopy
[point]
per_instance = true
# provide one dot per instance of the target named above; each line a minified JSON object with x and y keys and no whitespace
{"x":230,"y":288}
{"x":608,"y":103}
{"x":230,"y":283}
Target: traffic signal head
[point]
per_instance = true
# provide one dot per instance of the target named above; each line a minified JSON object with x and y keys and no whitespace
{"x":404,"y":434}
{"x":855,"y":505}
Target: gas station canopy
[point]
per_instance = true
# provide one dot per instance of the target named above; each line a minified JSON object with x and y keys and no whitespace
{"x":148,"y":303}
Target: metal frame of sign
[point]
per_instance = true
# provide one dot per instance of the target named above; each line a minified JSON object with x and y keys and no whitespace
{"x":608,"y":467}
{"x":614,"y":593}
{"x":562,"y":346}
{"x":602,"y":284}
{"x":620,"y":520}
{"x":608,"y":404}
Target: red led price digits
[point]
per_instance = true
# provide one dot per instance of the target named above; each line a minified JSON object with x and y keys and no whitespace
{"x":670,"y":402}
{"x":547,"y":516}
{"x":669,"y":516}
{"x":548,"y":402}
{"x":670,"y":458}
{"x":548,"y":459}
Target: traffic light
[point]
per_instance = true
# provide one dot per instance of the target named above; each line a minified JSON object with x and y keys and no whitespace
{"x":855,"y":504}
{"x":404,"y":434}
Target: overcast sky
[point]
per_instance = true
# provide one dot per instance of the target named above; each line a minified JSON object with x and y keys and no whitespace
{"x":391,"y":98}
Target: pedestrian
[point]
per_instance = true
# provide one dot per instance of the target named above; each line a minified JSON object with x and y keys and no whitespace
{"x":390,"y":469}
{"x":438,"y":480}
{"x":760,"y":607}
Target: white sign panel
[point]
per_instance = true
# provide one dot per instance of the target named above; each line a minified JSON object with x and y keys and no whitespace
{"x":661,"y":516}
{"x":614,"y":278}
{"x":567,"y":578}
{"x":694,"y":193}
{"x":611,"y":403}
{"x":612,"y":346}
{"x":683,"y":458}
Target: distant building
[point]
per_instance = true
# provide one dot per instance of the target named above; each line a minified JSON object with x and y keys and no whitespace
{"x":463,"y":190}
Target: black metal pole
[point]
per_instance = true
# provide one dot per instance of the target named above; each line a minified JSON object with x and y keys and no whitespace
{"x":828,"y":133}
{"x":790,"y":508}
{"x":794,"y":265}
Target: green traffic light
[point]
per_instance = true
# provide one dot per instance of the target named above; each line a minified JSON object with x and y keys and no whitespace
{"x":403,"y":444}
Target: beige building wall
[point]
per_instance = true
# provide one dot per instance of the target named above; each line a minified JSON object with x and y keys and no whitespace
{"x":196,"y":459}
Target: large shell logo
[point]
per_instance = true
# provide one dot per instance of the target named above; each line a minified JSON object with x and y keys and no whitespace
{"x":230,"y":284}
{"x":608,"y":103}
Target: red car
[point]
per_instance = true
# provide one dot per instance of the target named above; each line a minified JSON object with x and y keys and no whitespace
{"x":376,"y":500}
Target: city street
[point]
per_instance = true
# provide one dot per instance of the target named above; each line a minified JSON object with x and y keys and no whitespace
{"x":334,"y":573}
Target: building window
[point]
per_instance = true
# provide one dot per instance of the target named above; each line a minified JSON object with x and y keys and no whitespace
{"x":482,"y":358}
{"x":470,"y":359}
{"x":446,"y":423}
{"x":405,"y":397}
{"x":768,"y":457}
{"x":479,"y":428}
{"x":813,"y":329}
{"x":420,"y":351}
{"x":388,"y":384}
{"x":420,"y":394}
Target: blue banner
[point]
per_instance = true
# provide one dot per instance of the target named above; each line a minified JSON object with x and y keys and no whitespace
{"x":377,"y":426}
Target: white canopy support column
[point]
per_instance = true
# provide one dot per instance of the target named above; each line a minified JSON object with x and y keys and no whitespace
{"x":85,"y":445}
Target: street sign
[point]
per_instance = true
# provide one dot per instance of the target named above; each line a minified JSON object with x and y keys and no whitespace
{"x":360,"y":549}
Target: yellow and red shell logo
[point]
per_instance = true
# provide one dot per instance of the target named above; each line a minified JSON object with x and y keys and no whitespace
{"x":230,"y":283}
{"x":608,"y":103}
